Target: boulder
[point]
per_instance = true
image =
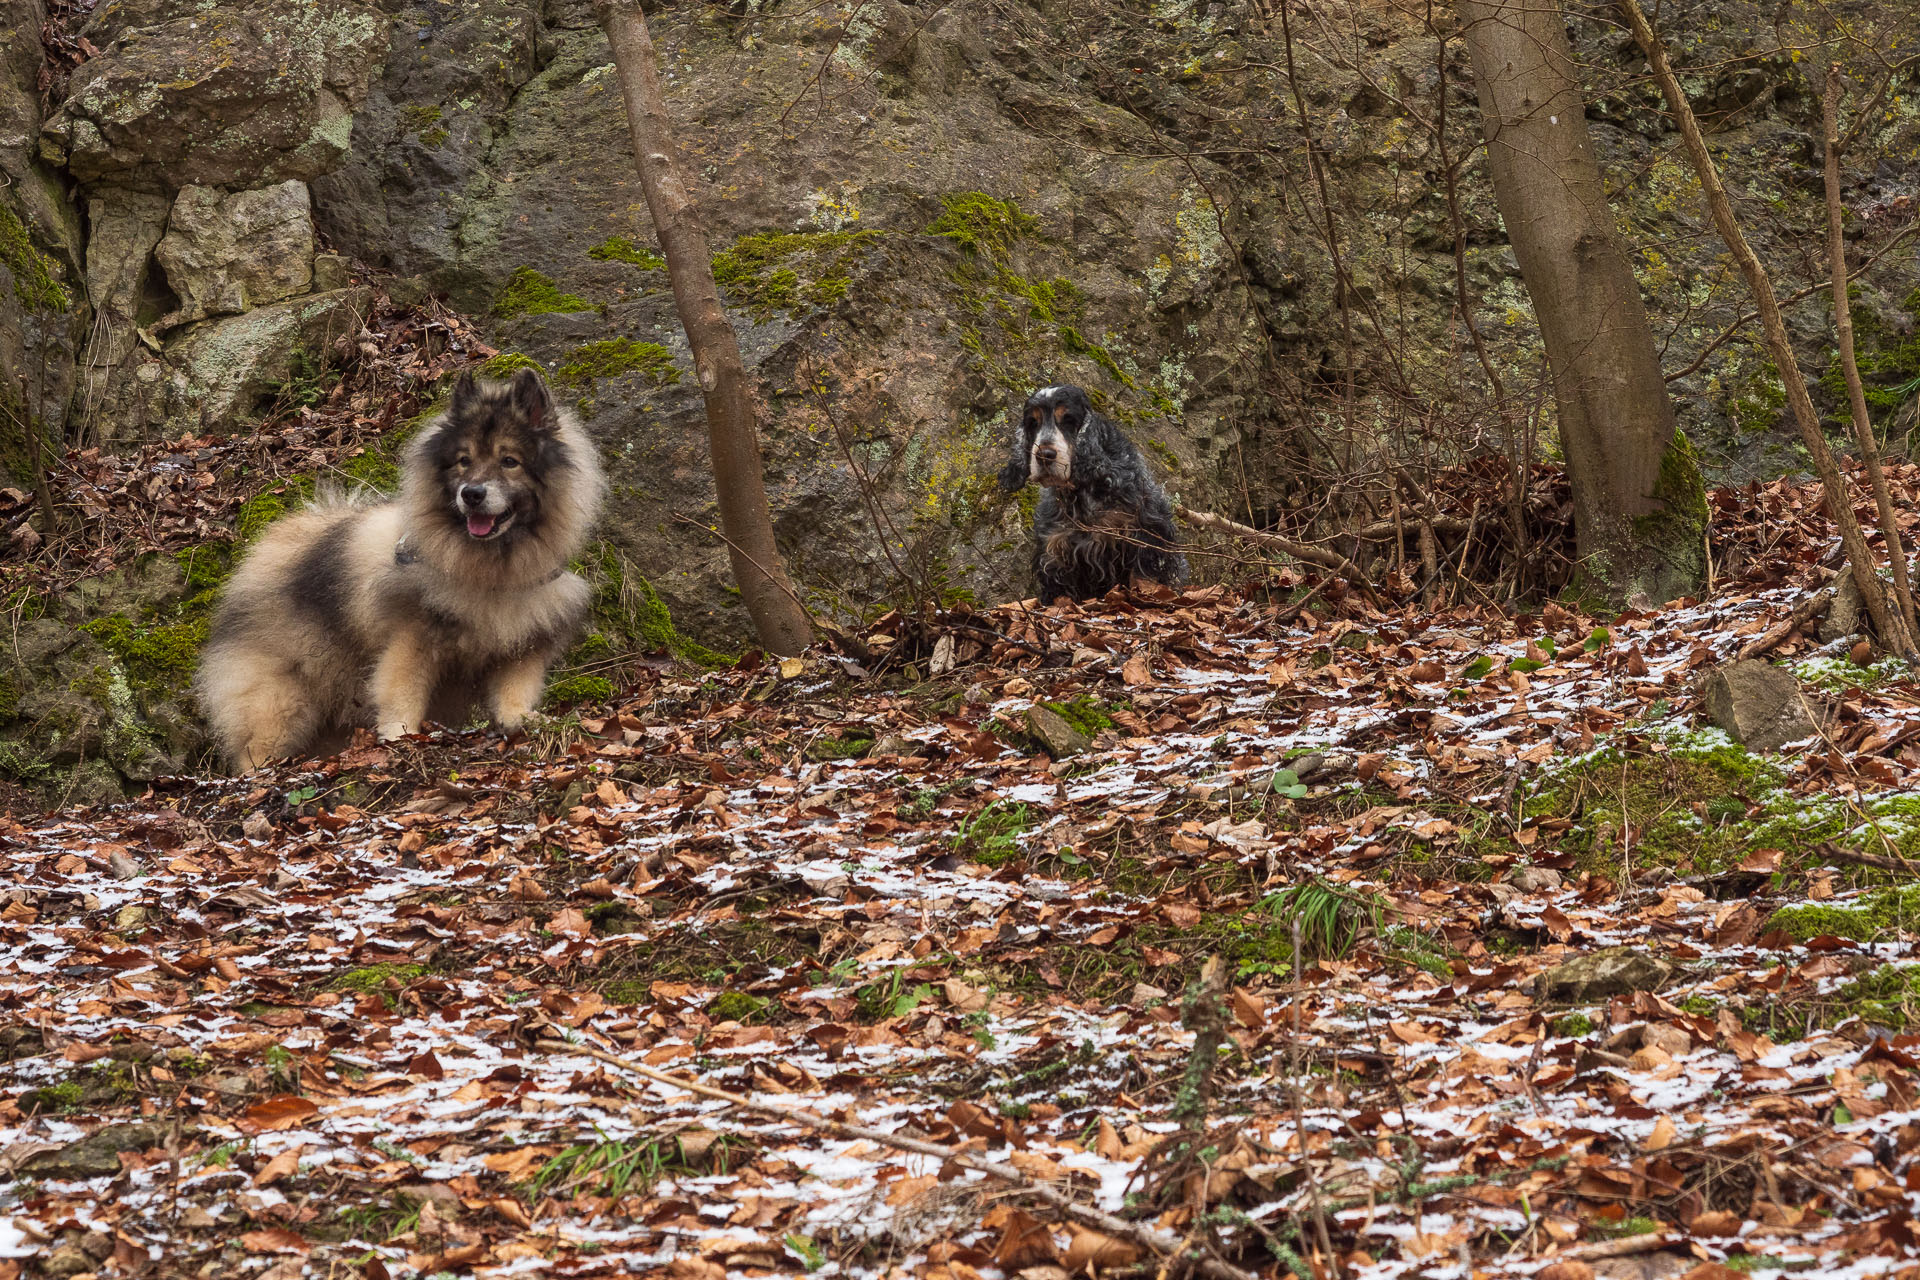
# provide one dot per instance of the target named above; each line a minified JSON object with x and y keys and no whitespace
{"x":225,"y":253}
{"x":1760,"y":706}
{"x":230,"y":95}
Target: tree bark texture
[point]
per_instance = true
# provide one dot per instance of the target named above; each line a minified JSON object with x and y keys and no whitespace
{"x":1839,"y":499}
{"x":1639,"y":507}
{"x":733,"y":414}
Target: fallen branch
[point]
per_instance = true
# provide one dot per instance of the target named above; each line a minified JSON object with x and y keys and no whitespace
{"x":1160,"y":1243}
{"x":1625,"y":1247}
{"x":1773,"y":636}
{"x":1829,"y":850}
{"x":1326,"y":559}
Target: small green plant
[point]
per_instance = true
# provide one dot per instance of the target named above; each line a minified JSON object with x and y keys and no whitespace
{"x":1329,"y":920}
{"x":811,"y":1255}
{"x":889,"y":997}
{"x":991,"y":837}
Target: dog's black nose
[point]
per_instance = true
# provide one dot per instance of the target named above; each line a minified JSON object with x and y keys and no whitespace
{"x":1046,"y":453}
{"x":473,"y":494}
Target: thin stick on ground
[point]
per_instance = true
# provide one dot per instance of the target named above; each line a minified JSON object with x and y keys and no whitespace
{"x":1286,"y":546}
{"x":1843,"y":332}
{"x":1775,"y":635}
{"x":1157,"y":1242}
{"x":1890,"y":627}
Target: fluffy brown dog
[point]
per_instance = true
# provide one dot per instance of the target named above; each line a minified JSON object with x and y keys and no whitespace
{"x":352,"y":613}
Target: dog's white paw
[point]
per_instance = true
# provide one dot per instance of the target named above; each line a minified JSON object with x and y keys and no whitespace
{"x":394,"y":729}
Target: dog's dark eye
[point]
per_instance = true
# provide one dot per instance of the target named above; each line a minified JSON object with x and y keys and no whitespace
{"x":466,"y":460}
{"x":509,"y":463}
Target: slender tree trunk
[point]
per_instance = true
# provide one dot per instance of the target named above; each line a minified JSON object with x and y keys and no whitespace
{"x":732,"y":413}
{"x":1639,"y":506}
{"x":1839,"y":500}
{"x":1850,"y":366}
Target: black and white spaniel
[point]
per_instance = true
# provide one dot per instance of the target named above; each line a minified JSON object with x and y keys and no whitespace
{"x":1102,"y":520}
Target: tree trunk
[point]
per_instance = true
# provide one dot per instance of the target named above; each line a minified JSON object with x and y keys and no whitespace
{"x":1849,"y":364}
{"x":1639,"y":506}
{"x":733,"y":416}
{"x":1839,"y":499}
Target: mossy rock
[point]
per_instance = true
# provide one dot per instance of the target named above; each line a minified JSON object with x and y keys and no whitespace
{"x":531,"y":293}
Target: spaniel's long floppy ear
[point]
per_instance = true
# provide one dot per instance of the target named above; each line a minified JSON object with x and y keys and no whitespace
{"x":1013,"y":476}
{"x":530,"y":397}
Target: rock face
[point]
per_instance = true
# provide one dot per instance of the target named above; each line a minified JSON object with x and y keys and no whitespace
{"x":1758,"y":705}
{"x":220,"y":95}
{"x":225,"y":253}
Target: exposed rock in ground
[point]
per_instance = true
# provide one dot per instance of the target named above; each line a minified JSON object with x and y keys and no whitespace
{"x":1056,"y":733}
{"x":1615,"y":971}
{"x":97,"y":1155}
{"x":1758,"y":705}
{"x":1843,"y":615}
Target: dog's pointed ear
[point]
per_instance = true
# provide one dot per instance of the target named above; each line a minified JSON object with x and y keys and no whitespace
{"x":530,"y":397}
{"x":466,"y":395}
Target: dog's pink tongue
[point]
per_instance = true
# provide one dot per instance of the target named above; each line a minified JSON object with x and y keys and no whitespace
{"x":479,"y":524}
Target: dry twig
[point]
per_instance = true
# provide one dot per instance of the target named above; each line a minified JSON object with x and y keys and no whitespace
{"x":1159,"y":1243}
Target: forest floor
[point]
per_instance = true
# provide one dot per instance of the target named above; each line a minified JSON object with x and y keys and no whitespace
{"x":1500,"y":963}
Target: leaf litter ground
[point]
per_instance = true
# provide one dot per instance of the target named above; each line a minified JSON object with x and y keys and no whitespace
{"x":1581,"y":988}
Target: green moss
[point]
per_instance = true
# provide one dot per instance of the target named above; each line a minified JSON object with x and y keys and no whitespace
{"x":35,"y":283}
{"x":529,"y":293}
{"x":1670,"y":541}
{"x":65,"y":1096}
{"x":1838,"y":675}
{"x":1573,"y":1026}
{"x":1889,"y":364}
{"x":615,"y":356}
{"x":981,"y":224}
{"x":794,"y":272}
{"x":849,"y":748}
{"x":375,"y":468}
{"x":621,"y":249}
{"x":1001,"y":306}
{"x":504,"y":365}
{"x":158,"y":658}
{"x":9,"y":697}
{"x":736,"y":1006}
{"x":374,"y":977}
{"x":1885,"y":913}
{"x":1652,"y":794}
{"x":420,"y":117}
{"x":1761,"y":400}
{"x":206,"y":566}
{"x":1088,"y":715}
{"x":1886,"y":997}
{"x":580,"y":689}
{"x":435,"y":136}
{"x":627,"y":611}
